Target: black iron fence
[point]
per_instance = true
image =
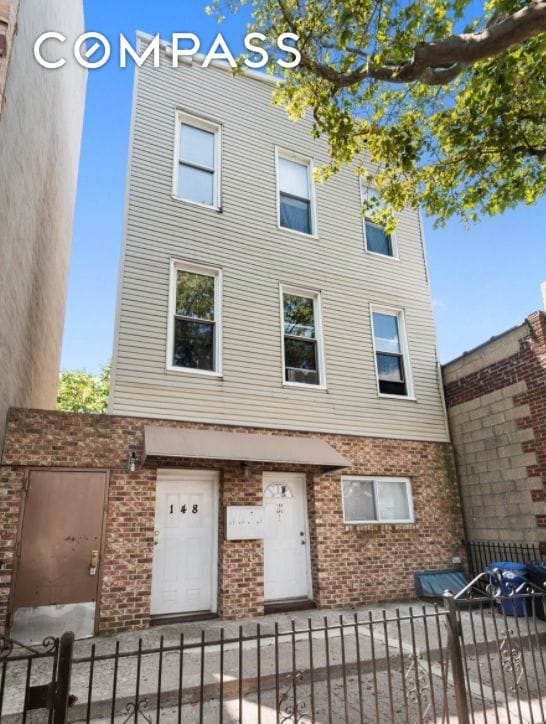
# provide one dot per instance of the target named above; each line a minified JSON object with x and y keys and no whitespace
{"x":468,"y":661}
{"x":481,"y":553}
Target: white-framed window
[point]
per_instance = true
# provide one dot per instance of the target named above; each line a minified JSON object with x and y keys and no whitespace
{"x":295,"y":193}
{"x":195,"y":317}
{"x":376,"y":500}
{"x":302,"y":345}
{"x":197,"y":161}
{"x":392,"y":362}
{"x":376,"y":239}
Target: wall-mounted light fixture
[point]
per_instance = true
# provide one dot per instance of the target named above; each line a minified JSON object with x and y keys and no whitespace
{"x":245,"y":469}
{"x":133,"y":461}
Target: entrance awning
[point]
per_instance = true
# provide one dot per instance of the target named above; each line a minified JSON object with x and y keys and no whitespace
{"x":240,"y":446}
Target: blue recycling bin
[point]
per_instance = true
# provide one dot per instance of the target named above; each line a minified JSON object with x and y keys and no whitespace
{"x":512,"y":575}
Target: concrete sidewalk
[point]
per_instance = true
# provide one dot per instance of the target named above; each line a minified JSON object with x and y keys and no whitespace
{"x":393,"y":652}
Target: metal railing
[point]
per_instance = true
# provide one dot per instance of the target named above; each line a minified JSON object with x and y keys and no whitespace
{"x":481,"y":553}
{"x":468,"y":661}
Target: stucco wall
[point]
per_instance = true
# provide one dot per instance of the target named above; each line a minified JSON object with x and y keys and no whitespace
{"x":40,"y":133}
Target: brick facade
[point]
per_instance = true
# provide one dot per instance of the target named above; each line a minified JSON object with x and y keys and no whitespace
{"x":350,"y":564}
{"x":496,"y":399}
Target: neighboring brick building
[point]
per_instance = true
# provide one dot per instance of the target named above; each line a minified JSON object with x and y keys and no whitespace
{"x":496,"y":400}
{"x":350,"y":564}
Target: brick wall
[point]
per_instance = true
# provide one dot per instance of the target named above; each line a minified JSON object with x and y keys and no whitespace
{"x":350,"y":564}
{"x":496,"y":399}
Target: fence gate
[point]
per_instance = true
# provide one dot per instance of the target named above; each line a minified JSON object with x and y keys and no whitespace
{"x":46,"y":675}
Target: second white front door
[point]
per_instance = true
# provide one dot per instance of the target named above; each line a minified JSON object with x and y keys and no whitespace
{"x":286,"y":544}
{"x":185,"y":541}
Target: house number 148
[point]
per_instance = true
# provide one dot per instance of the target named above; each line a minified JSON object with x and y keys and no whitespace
{"x":184,"y":509}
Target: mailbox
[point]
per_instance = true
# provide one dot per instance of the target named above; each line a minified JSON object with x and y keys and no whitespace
{"x":245,"y":522}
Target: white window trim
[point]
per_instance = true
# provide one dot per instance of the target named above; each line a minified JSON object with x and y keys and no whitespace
{"x":205,"y":125}
{"x":304,"y":160}
{"x":394,"y":241}
{"x":317,"y":312}
{"x":399,"y":313}
{"x":176,"y":265}
{"x":382,"y":479}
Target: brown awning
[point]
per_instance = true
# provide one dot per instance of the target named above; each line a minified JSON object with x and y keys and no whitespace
{"x":241,"y":446}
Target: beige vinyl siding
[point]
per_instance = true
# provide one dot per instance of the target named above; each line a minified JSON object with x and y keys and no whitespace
{"x":256,"y":257}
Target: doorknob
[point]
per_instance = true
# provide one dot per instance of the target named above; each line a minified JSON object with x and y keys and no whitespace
{"x":303,"y":541}
{"x":93,"y":563}
{"x":156,"y":536}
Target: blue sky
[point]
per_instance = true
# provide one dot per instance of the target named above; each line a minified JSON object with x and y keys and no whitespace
{"x":484,"y":279}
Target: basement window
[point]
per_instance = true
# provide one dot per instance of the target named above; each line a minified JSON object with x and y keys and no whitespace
{"x":369,"y":500}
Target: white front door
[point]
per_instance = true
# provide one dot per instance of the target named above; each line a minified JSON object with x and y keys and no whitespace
{"x":185,"y":542}
{"x":286,"y":541}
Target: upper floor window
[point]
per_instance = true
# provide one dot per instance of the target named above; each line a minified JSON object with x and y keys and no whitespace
{"x":197,"y":172}
{"x":302,"y":338}
{"x":376,"y":239}
{"x":391,"y":353}
{"x":194,"y":334}
{"x":377,"y":500}
{"x":296,"y":193}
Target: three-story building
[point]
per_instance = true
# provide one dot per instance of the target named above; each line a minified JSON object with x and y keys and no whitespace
{"x":254,"y":299}
{"x":276,"y":434}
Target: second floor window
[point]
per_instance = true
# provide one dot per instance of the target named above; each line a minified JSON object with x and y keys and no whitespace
{"x":302,"y":338}
{"x":197,"y":167}
{"x":376,"y":239}
{"x":195,"y":324}
{"x":391,"y":356}
{"x":296,"y":210}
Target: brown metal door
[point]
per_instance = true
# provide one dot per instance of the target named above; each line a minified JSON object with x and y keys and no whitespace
{"x":62,"y":526}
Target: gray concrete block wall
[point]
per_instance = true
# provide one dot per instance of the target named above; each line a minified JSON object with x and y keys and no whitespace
{"x":493,"y":467}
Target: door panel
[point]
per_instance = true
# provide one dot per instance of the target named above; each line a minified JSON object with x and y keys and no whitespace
{"x":183,"y":579}
{"x":62,"y":525}
{"x":286,"y":552}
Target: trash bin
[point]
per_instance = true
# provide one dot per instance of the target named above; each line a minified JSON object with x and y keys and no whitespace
{"x":512,"y":576}
{"x":537,"y":575}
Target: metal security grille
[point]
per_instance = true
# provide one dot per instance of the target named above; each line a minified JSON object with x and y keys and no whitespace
{"x":466,"y":662}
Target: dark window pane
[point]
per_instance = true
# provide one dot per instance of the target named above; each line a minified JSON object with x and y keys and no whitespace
{"x":390,"y":367}
{"x":299,"y":316}
{"x":300,"y":354}
{"x":193,"y":344}
{"x":295,"y":214}
{"x":194,"y":295}
{"x":392,"y":388}
{"x":390,"y":370}
{"x":377,"y":240}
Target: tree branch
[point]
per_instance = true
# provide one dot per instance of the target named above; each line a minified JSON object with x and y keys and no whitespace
{"x":438,"y":62}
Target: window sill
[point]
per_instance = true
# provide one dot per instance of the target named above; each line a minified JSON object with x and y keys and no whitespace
{"x":381,"y":256}
{"x":304,"y":386}
{"x":199,"y":205}
{"x":407,"y":398}
{"x":286,"y":230}
{"x":366,"y":523}
{"x":190,"y":371}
